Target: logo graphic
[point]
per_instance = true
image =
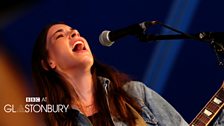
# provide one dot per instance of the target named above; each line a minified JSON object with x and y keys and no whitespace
{"x":34,"y":105}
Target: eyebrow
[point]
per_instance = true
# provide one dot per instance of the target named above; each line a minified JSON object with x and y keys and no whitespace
{"x":60,"y":30}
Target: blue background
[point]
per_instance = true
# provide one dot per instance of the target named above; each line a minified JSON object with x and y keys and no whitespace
{"x":185,"y":72}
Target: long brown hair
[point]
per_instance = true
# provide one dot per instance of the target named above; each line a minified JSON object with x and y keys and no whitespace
{"x":51,"y":85}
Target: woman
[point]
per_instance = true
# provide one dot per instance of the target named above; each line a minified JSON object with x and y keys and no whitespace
{"x":65,"y":72}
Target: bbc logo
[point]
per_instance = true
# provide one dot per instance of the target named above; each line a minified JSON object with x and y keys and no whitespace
{"x":32,"y":99}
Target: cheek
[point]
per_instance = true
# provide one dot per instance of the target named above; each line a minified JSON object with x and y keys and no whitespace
{"x":57,"y":50}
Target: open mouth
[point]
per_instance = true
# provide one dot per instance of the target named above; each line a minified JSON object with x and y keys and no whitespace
{"x":78,"y":46}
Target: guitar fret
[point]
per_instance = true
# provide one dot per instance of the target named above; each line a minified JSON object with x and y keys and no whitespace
{"x":204,"y":118}
{"x":198,"y":123}
{"x":210,"y":110}
{"x":220,"y":94}
{"x":213,"y":107}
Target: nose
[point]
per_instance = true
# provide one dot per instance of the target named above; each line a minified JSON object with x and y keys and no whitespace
{"x":74,"y":33}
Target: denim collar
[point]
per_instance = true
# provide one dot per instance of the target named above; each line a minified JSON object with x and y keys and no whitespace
{"x":105,"y":82}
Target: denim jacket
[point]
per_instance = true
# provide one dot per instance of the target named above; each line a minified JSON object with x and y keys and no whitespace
{"x":160,"y":111}
{"x":156,"y":111}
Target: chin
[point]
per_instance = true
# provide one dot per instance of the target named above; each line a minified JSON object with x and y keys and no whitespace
{"x":88,"y":61}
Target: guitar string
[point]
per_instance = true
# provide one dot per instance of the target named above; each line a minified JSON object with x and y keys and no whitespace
{"x":202,"y":117}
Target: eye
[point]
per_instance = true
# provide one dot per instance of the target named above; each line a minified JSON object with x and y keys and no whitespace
{"x":59,"y":36}
{"x":73,"y":34}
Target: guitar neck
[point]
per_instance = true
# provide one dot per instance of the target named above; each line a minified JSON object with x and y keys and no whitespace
{"x":210,"y":110}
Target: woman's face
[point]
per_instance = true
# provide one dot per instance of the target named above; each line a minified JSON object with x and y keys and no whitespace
{"x":67,"y":50}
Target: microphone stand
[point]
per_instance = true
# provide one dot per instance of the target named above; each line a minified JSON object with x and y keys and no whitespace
{"x":215,"y":39}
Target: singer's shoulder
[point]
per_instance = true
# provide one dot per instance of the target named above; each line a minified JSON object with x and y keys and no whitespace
{"x":137,"y":88}
{"x":134,"y":85}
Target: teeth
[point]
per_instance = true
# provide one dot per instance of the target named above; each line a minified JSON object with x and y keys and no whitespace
{"x":78,"y":42}
{"x":78,"y":46}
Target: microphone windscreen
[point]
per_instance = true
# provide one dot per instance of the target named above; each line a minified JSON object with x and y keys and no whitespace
{"x":104,"y":38}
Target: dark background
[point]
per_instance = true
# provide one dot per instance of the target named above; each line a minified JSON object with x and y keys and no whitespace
{"x":186,"y":73}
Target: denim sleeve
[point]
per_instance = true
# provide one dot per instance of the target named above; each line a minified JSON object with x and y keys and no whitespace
{"x":220,"y":120}
{"x":160,"y":108}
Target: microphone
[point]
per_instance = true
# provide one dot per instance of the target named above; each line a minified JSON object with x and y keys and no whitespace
{"x":107,"y":37}
{"x":212,"y":36}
